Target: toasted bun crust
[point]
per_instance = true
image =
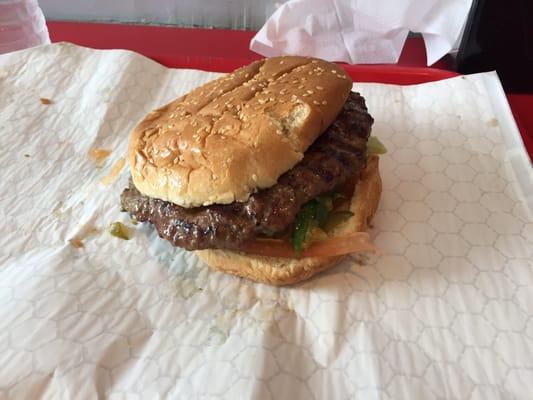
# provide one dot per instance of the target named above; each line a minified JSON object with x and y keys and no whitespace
{"x":236,"y":134}
{"x":284,"y":271}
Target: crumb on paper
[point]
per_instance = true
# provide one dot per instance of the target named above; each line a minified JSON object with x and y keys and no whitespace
{"x":76,"y":243}
{"x":45,"y":101}
{"x":27,"y":155}
{"x":58,"y":209}
{"x":493,"y":122}
{"x":98,"y":156}
{"x":113,"y":174}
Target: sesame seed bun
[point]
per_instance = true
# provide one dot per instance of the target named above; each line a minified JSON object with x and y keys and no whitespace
{"x":237,"y":134}
{"x":286,"y":271}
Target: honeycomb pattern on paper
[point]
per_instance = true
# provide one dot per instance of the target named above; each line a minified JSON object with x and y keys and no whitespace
{"x":444,"y":313}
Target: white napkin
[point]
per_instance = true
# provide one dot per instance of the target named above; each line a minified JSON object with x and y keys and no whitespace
{"x":361,"y":31}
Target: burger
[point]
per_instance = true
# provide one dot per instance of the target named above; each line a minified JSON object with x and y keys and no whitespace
{"x":267,"y":173}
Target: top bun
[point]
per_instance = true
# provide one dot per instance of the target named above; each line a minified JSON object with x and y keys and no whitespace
{"x":236,"y":134}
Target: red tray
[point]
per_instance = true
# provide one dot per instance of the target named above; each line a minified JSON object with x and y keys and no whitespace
{"x":225,"y":50}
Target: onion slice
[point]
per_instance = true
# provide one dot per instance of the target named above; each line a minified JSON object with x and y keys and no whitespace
{"x":336,"y":246}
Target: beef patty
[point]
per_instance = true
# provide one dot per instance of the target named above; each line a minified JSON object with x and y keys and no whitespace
{"x":338,"y":154}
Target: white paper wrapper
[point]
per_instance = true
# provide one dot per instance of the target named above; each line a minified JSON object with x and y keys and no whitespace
{"x":361,"y":31}
{"x":445,"y":313}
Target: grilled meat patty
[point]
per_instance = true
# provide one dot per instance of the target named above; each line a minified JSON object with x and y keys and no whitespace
{"x":338,"y":154}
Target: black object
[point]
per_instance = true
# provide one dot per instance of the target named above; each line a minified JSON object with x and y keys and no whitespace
{"x":499,"y":35}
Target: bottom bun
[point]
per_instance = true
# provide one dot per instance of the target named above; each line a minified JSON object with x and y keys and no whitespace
{"x":285,"y":271}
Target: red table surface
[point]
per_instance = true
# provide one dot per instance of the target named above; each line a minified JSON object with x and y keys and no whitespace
{"x":224,"y":50}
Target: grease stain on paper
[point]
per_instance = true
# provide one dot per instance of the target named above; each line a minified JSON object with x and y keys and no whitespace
{"x":493,"y":122}
{"x":98,"y":156}
{"x":249,"y":310}
{"x":113,"y":174}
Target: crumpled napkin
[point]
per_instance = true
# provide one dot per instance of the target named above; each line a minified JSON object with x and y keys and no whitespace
{"x":361,"y":31}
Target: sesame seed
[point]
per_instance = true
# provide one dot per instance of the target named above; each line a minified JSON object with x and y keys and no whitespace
{"x":301,"y":87}
{"x":305,"y":95}
{"x":310,"y":92}
{"x":316,"y":102}
{"x":324,"y":102}
{"x":319,"y":88}
{"x":281,"y":62}
{"x":246,"y":75}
